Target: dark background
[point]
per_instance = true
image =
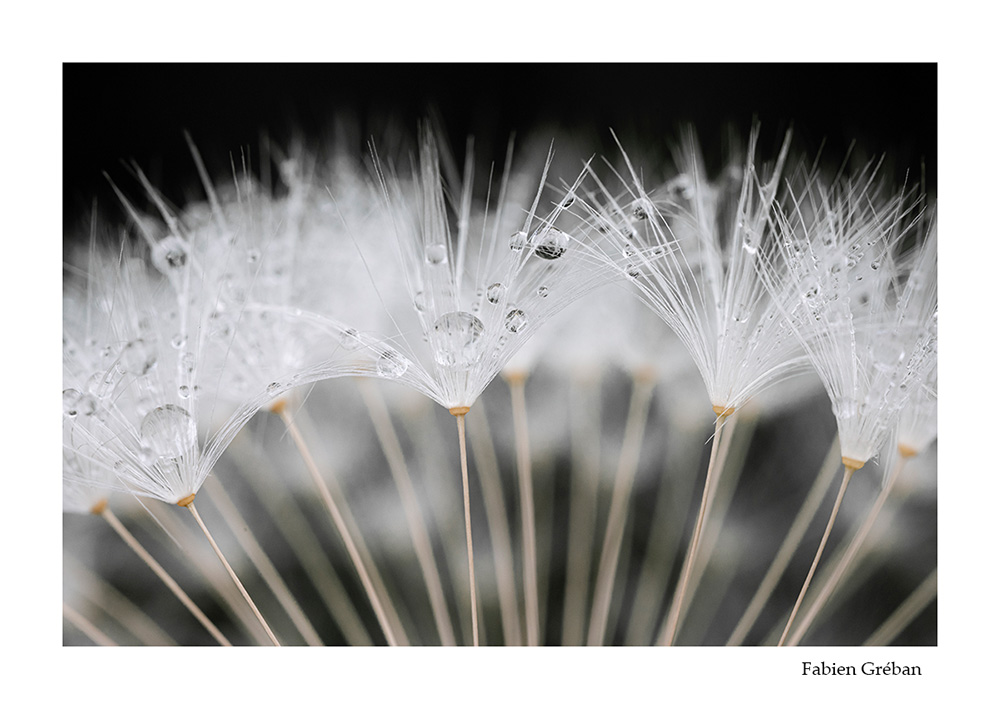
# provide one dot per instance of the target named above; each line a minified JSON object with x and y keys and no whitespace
{"x":115,"y":113}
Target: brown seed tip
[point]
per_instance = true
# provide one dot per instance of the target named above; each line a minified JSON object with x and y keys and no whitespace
{"x":724,"y":410}
{"x":278,"y":406}
{"x":98,"y":508}
{"x":514,"y":377}
{"x":907,"y":451}
{"x":185,"y":501}
{"x":458,"y":410}
{"x":853,"y":463}
{"x":645,"y":375}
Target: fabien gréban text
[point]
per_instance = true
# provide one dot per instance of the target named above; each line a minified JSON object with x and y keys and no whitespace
{"x":873,"y":669}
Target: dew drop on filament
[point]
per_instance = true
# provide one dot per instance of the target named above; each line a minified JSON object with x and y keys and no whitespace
{"x":391,"y":364}
{"x":71,"y":398}
{"x":457,"y":340}
{"x":169,"y":255}
{"x":550,"y":243}
{"x":436,"y":254}
{"x":515,"y":320}
{"x":518,"y":240}
{"x":169,"y":432}
{"x":495,"y":292}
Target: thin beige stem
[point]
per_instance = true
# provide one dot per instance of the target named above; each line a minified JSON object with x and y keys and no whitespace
{"x":296,"y":530}
{"x":488,"y":470}
{"x":672,"y":623}
{"x":585,"y":442}
{"x":674,"y":497}
{"x":527,"y":498}
{"x":188,"y":548}
{"x":719,"y":498}
{"x":907,"y":612}
{"x":252,"y":548}
{"x":460,"y":418}
{"x":786,"y":551}
{"x":86,"y":627}
{"x":108,"y":516}
{"x":411,"y":508}
{"x":232,"y":574}
{"x":847,"y":558}
{"x":340,"y":524}
{"x":628,"y":463}
{"x":848,"y":472}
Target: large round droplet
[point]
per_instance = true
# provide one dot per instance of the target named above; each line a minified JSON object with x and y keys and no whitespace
{"x":457,"y":340}
{"x":550,"y":243}
{"x":436,"y":254}
{"x":169,"y":255}
{"x":169,"y":432}
{"x":391,"y":364}
{"x":138,"y":357}
{"x":515,"y":320}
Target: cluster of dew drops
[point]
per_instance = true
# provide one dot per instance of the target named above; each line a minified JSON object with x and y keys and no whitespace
{"x":456,"y":337}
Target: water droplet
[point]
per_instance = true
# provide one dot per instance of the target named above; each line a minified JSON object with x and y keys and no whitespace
{"x":188,"y":362}
{"x":639,"y":211}
{"x":71,"y":399}
{"x":350,"y":339}
{"x":875,"y":265}
{"x":568,"y":202}
{"x":550,"y":243}
{"x":184,"y":391}
{"x":542,"y":291}
{"x":457,"y":340}
{"x":391,"y":364}
{"x":748,"y":244}
{"x":518,"y":240}
{"x":845,"y":408}
{"x":178,"y":341}
{"x":169,"y":432}
{"x":515,"y":320}
{"x":495,"y":292}
{"x":169,"y":255}
{"x":102,"y":385}
{"x":436,"y":254}
{"x":273,"y":387}
{"x":420,"y":301}
{"x":253,"y":255}
{"x":138,"y":357}
{"x":683,"y":185}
